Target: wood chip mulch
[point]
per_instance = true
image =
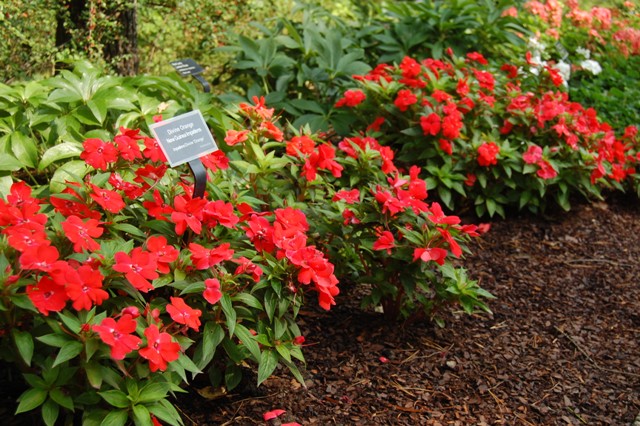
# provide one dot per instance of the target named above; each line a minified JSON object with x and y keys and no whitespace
{"x":562,"y":346}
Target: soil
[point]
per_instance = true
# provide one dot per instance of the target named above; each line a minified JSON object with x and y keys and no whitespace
{"x":560,"y":347}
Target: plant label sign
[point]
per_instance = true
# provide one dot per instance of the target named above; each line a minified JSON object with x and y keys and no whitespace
{"x":184,"y":138}
{"x":186,"y":67}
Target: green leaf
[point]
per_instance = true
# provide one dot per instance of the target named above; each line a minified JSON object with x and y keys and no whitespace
{"x":94,"y":374}
{"x":50,"y":412}
{"x":69,"y":351}
{"x":54,"y":339}
{"x":212,"y":335}
{"x":268,"y":363}
{"x":24,"y":149}
{"x":232,"y":376}
{"x":61,"y":398}
{"x":141,"y":416}
{"x":248,"y":340}
{"x":153,"y":392}
{"x":115,"y":398}
{"x":270,"y":303}
{"x":284,"y":352}
{"x":129,"y":229}
{"x":249,"y":300}
{"x":229,"y":313}
{"x":9,"y":163}
{"x":59,"y":152}
{"x":115,"y":418}
{"x":73,"y":171}
{"x":166,"y":412}
{"x":71,"y":322}
{"x":24,"y":343}
{"x":30,"y":399}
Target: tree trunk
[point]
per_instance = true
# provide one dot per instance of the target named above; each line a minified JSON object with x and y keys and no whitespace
{"x":71,"y":16}
{"x":121,"y":49}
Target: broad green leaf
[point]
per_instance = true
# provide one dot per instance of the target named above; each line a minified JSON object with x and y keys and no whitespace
{"x":30,"y":399}
{"x":24,"y":343}
{"x":153,"y":392}
{"x":284,"y":352}
{"x":166,"y":412}
{"x":115,"y":418}
{"x":50,"y":412}
{"x":24,"y":149}
{"x":71,"y":322}
{"x":73,"y":171}
{"x":115,"y":398}
{"x":69,"y":351}
{"x":232,"y":376}
{"x":54,"y":339}
{"x":141,"y":416}
{"x":212,"y":335}
{"x":229,"y":313}
{"x":61,"y":398}
{"x":268,"y":363}
{"x":60,"y":152}
{"x":249,"y":300}
{"x":9,"y":163}
{"x":94,"y":374}
{"x":248,"y":340}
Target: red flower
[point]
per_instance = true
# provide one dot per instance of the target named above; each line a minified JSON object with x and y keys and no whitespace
{"x":246,"y":266}
{"x":41,"y":257}
{"x":84,"y":287}
{"x":220,"y":212}
{"x":405,"y":99}
{"x":259,"y":110}
{"x":152,"y":151}
{"x":217,"y":160}
{"x":23,"y":237}
{"x":127,"y":143}
{"x":188,"y":214}
{"x":260,"y":232}
{"x":546,"y":170}
{"x":488,"y":153}
{"x":234,"y":137}
{"x":160,"y":348}
{"x":98,"y":154}
{"x":131,"y":190}
{"x":111,"y":201}
{"x":138,"y":268}
{"x":70,"y":203}
{"x":164,"y":253}
{"x":438,"y":255}
{"x":533,"y":154}
{"x":471,"y":179}
{"x":204,"y":258}
{"x":348,"y":196}
{"x":47,"y":296}
{"x":157,"y":208}
{"x":212,"y":293}
{"x":430,"y":124}
{"x":385,"y":241}
{"x":271,"y":130}
{"x":351,"y":98}
{"x":322,"y":158}
{"x":485,"y":79}
{"x":477,"y":57}
{"x":182,"y":313}
{"x":446,"y":146}
{"x":81,"y":233}
{"x":118,"y":335}
{"x":292,"y":219}
{"x":300,"y":145}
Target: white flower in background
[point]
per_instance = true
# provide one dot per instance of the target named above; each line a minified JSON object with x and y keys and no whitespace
{"x":564,"y":69}
{"x":592,"y":66}
{"x":536,"y":47}
{"x":585,"y":53}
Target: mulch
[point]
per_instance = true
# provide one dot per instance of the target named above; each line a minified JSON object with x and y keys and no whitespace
{"x":561,"y":346}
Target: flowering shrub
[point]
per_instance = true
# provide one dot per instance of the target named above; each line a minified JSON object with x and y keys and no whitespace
{"x":498,"y":137}
{"x":131,"y":286}
{"x":126,"y":277}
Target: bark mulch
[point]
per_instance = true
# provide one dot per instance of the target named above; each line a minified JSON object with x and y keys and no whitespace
{"x":561,"y":347}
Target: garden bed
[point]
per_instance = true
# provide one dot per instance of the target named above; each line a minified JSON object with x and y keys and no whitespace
{"x":560,"y":348}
